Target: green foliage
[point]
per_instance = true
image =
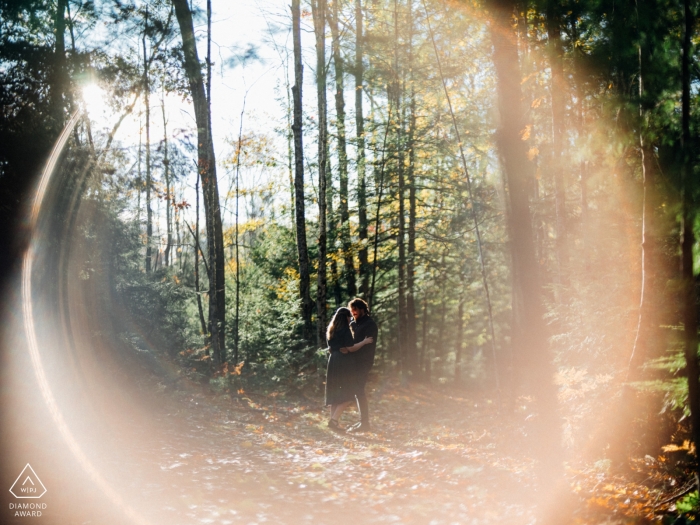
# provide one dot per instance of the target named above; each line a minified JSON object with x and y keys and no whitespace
{"x":689,"y":503}
{"x":674,"y":385}
{"x":271,"y":344}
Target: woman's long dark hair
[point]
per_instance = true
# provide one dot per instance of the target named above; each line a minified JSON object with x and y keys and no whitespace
{"x":340,"y":320}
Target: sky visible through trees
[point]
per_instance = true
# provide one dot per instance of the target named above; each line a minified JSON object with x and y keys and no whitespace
{"x":510,"y":185}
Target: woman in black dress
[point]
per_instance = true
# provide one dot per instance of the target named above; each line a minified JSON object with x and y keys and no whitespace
{"x":340,"y":374}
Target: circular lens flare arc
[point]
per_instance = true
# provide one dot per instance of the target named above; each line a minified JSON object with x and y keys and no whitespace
{"x":30,"y":333}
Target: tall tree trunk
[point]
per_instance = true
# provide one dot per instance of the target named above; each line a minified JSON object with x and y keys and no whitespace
{"x":530,"y":331}
{"x":361,"y":166}
{"x":149,"y":183}
{"x":297,"y":129}
{"x":318,"y":9}
{"x":411,"y":335}
{"x":332,"y":238}
{"x":206,"y":164}
{"x":647,"y":335}
{"x":290,"y":141}
{"x":558,"y":90}
{"x":348,"y":260}
{"x":690,"y":317}
{"x":363,"y":222}
{"x":380,"y":192}
{"x":401,"y":187}
{"x":236,"y":321}
{"x":209,"y":58}
{"x":168,"y":194}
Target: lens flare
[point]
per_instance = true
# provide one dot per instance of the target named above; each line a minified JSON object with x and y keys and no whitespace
{"x":94,"y":98}
{"x":30,"y":332}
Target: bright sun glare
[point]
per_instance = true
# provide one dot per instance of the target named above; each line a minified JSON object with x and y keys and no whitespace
{"x":94,"y":98}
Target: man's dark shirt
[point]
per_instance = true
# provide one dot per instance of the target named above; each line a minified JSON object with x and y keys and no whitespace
{"x":365,"y":327}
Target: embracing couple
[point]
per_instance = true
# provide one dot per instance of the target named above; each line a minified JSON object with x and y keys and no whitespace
{"x":352,"y":339}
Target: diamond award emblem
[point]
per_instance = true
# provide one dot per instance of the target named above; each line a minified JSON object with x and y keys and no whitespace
{"x":28,"y":484}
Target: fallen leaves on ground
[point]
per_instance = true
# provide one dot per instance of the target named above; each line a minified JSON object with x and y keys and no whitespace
{"x":433,"y":456}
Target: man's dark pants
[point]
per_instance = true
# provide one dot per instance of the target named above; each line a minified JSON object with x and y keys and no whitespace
{"x":362,"y":403}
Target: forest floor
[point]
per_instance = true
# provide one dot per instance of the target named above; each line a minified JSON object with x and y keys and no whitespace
{"x":434,"y":456}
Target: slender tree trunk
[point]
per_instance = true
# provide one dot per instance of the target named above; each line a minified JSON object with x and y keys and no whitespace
{"x":207,"y":169}
{"x":690,"y":317}
{"x":176,"y":210}
{"x":363,"y":223}
{"x":411,"y":320}
{"x":318,"y":8}
{"x":197,"y":288}
{"x":377,"y":218}
{"x":397,"y":89}
{"x":647,"y":336}
{"x":558,"y":90}
{"x":297,"y":129}
{"x":168,"y":194}
{"x":236,"y":321}
{"x":530,"y":331}
{"x":70,"y":25}
{"x":290,"y":143}
{"x":139,"y":182}
{"x":472,"y":202}
{"x":209,"y":58}
{"x":149,"y":183}
{"x":348,"y":259}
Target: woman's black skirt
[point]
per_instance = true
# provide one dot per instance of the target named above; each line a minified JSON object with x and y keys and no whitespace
{"x":341,"y":378}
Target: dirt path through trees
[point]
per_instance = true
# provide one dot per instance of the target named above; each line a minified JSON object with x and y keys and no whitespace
{"x":432,"y":459}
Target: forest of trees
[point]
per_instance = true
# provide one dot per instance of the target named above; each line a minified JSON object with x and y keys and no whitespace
{"x":511,"y":185}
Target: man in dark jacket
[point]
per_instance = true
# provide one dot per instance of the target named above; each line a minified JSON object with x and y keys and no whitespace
{"x":363,"y":326}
